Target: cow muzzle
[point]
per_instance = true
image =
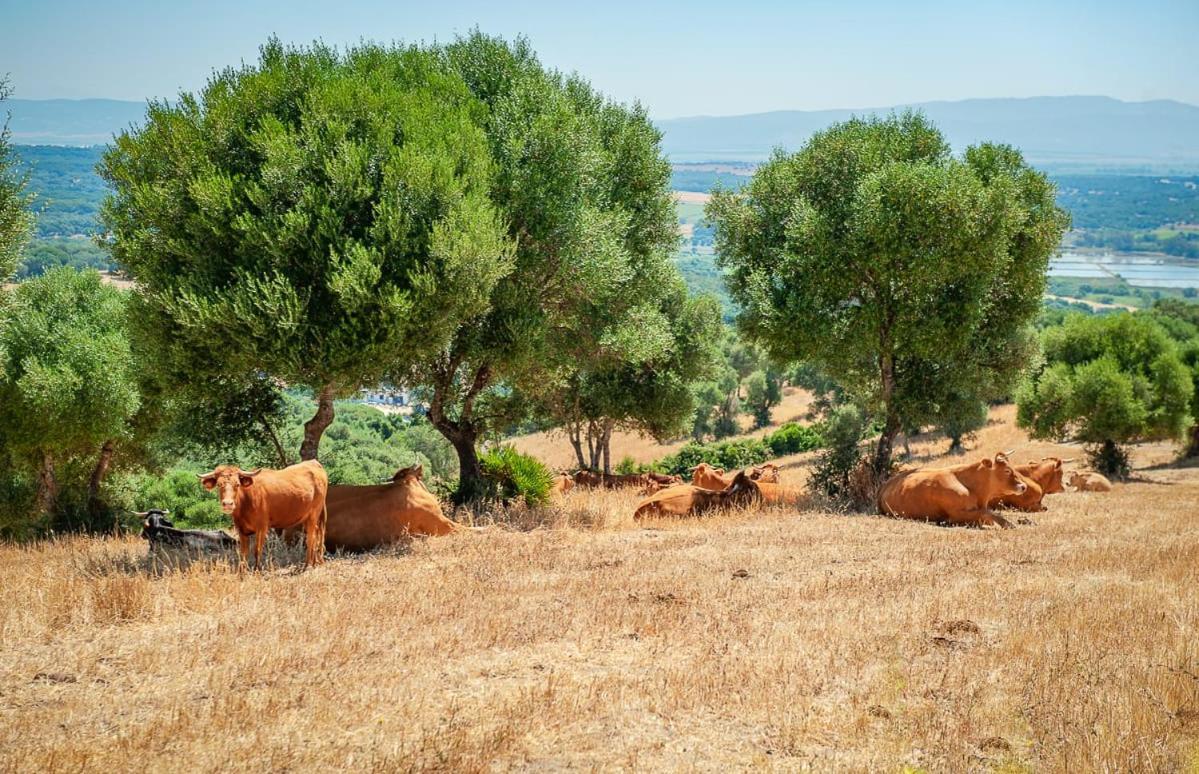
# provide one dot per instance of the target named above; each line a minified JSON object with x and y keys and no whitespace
{"x":227,"y":506}
{"x":1021,"y":487}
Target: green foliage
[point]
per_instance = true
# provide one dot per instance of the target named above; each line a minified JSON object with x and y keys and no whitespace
{"x":512,"y":474}
{"x":68,"y":368}
{"x":878,"y":258}
{"x":593,"y":299}
{"x":44,"y":254}
{"x":793,"y":438}
{"x":179,"y":491}
{"x":845,"y":427}
{"x":763,"y":391}
{"x":627,"y":466}
{"x":68,"y":384}
{"x":314,"y":216}
{"x":1112,"y":379}
{"x":15,"y":219}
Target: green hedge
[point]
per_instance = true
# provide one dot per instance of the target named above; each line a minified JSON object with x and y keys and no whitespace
{"x":791,"y":438}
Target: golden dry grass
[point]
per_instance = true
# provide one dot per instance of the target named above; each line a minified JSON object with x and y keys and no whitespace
{"x":782,"y":639}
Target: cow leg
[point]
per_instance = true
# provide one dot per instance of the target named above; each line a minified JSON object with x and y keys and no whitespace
{"x":243,"y":546}
{"x":979,"y":517}
{"x":259,"y":544}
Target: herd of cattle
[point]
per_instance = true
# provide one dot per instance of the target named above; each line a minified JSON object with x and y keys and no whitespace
{"x":298,"y":499}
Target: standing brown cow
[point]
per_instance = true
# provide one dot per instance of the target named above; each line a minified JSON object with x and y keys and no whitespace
{"x":959,"y":494}
{"x":262,"y":500}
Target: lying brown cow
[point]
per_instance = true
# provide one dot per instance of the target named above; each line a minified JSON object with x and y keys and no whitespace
{"x":767,"y":472}
{"x":1089,"y":481}
{"x":366,"y":517}
{"x":958,"y":494}
{"x":705,"y":476}
{"x":262,"y":500}
{"x":1041,"y":478}
{"x":594,"y":480}
{"x":690,"y":500}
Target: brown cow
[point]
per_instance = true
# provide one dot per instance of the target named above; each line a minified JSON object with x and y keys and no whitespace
{"x":690,"y":500}
{"x":958,"y":494}
{"x":563,"y":483}
{"x":1041,"y":478}
{"x":1089,"y":481}
{"x":705,"y":476}
{"x":262,"y":500}
{"x":592,"y":479}
{"x":767,"y":472}
{"x":366,"y":517}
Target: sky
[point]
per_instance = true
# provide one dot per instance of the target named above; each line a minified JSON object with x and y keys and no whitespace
{"x":676,"y":58}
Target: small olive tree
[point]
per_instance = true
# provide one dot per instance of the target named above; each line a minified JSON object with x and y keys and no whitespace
{"x":874,"y":251}
{"x":1107,"y":381}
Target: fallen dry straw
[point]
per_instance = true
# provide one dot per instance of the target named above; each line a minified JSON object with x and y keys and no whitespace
{"x":776,"y":639}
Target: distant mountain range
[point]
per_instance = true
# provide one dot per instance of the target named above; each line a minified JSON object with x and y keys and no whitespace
{"x":70,"y":121}
{"x":1064,"y":132}
{"x":1052,"y":131}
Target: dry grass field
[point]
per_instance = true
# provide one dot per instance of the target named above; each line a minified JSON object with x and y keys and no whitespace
{"x":575,"y":639}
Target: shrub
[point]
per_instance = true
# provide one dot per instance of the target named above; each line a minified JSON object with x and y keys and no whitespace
{"x":793,"y":438}
{"x":510,"y":474}
{"x":627,"y":465}
{"x":834,"y":474}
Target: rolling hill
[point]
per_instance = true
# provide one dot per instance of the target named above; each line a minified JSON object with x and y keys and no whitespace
{"x":1064,"y":132}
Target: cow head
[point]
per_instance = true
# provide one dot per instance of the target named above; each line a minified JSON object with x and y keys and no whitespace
{"x":410,"y":473}
{"x":228,"y":481}
{"x":1078,"y":479}
{"x":1051,"y":475}
{"x":1004,"y":479}
{"x":152,"y":520}
{"x":768,"y":473}
{"x":705,"y":476}
{"x":743,"y":491}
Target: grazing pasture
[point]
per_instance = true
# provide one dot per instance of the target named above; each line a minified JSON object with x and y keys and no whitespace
{"x":572,"y":637}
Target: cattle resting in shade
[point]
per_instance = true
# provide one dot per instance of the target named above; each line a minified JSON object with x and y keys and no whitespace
{"x":691,"y":500}
{"x":365,"y":517}
{"x":263,"y":500}
{"x":1089,"y":481}
{"x":161,"y":533}
{"x":958,"y":495}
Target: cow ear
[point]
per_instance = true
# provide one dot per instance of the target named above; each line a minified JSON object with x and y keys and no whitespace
{"x":418,"y":470}
{"x":208,"y":482}
{"x":245,"y":480}
{"x":988,"y":462}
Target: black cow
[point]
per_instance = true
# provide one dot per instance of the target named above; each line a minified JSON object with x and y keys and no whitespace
{"x":161,"y":533}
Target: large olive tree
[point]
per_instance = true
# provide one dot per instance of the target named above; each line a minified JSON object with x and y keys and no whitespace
{"x":873,"y":252}
{"x":584,"y":190}
{"x":313,"y":216}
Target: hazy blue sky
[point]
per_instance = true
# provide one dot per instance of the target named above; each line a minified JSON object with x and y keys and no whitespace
{"x":678,"y":58}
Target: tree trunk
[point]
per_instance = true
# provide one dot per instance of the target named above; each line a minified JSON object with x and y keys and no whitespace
{"x":47,"y":486}
{"x":606,"y":441}
{"x":955,"y":444}
{"x":576,"y":441}
{"x":594,"y":445}
{"x":1193,"y":448}
{"x":270,"y":433}
{"x":886,"y":439}
{"x":94,"y":505}
{"x":470,"y":474}
{"x":314,"y":428}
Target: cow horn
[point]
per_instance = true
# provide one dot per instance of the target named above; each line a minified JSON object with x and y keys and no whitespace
{"x":203,"y":476}
{"x":1069,"y":459}
{"x":251,"y":473}
{"x":1009,"y":452}
{"x":143,"y":514}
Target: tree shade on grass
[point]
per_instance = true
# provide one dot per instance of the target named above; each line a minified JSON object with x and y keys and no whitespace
{"x":315,"y":216}
{"x":875,"y":255}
